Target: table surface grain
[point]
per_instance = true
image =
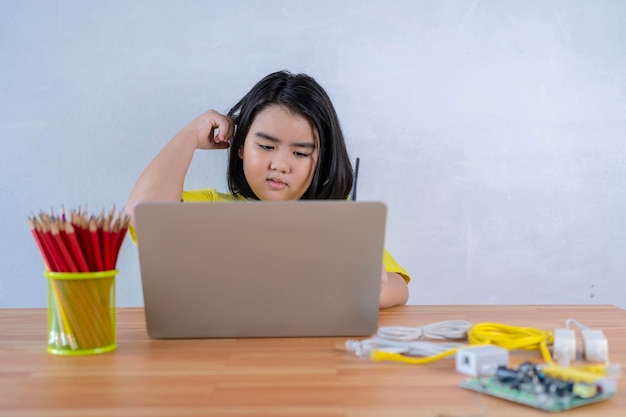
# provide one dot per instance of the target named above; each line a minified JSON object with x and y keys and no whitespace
{"x":269,"y":377}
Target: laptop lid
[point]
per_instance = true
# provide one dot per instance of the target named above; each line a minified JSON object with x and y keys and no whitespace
{"x":260,"y":269}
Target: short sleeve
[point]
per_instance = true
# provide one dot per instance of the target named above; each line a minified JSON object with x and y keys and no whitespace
{"x":133,"y":235}
{"x":207,"y":195}
{"x":392,"y":266}
{"x":204,"y":195}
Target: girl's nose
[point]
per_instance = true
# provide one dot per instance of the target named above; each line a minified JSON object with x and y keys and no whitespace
{"x":279,"y":162}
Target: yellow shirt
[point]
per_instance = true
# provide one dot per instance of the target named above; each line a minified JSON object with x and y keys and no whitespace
{"x":211,"y":195}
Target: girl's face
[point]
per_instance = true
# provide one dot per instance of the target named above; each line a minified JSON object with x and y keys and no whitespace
{"x":279,"y":154}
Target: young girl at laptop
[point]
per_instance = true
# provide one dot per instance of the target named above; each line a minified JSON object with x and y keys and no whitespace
{"x":285,"y":144}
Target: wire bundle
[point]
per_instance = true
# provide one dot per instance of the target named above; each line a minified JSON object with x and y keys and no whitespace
{"x":449,"y":329}
{"x":80,"y":252}
{"x":405,"y":344}
{"x":400,"y":343}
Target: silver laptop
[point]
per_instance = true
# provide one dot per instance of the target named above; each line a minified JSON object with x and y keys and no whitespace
{"x":260,"y":269}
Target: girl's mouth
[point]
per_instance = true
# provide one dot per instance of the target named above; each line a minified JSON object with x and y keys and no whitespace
{"x":276,"y":184}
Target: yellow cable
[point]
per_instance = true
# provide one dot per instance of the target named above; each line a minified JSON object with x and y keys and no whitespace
{"x":572,"y":374}
{"x":381,"y":355}
{"x":512,"y":337}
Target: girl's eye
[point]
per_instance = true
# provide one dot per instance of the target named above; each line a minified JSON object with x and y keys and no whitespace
{"x":301,"y":155}
{"x":266,"y":147}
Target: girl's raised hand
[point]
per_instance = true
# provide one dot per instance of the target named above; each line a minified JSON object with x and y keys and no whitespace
{"x":212,"y":130}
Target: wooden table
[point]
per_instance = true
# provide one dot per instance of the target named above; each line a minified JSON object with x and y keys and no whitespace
{"x":267,"y":377}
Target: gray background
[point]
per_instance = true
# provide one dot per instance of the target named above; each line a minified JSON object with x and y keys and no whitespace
{"x":494,"y":130}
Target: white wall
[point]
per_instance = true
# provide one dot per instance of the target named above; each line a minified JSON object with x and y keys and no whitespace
{"x":494,"y":130}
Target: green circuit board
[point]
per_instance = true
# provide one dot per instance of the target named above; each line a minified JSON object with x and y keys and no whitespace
{"x":533,"y":389}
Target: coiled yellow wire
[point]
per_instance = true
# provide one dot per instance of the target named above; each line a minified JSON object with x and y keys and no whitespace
{"x":512,"y":337}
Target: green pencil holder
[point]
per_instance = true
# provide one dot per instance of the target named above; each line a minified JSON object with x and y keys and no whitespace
{"x":81,"y":312}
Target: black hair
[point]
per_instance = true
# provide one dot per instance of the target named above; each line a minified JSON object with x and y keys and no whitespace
{"x":302,"y":95}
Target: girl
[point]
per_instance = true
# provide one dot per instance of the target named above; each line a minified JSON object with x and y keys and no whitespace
{"x":284,"y":142}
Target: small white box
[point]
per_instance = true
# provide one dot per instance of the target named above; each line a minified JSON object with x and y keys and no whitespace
{"x":564,"y":346}
{"x":481,"y":360}
{"x":596,"y":345}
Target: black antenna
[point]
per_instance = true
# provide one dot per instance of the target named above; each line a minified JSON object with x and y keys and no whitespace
{"x":356,"y":175}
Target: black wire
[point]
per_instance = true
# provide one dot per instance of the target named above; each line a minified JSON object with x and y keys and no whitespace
{"x":356,"y":175}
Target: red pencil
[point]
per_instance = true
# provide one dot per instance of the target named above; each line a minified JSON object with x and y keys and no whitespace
{"x":43,"y":247}
{"x":76,"y":249}
{"x":120,"y":228}
{"x":46,"y":234}
{"x":82,"y":233}
{"x":65,"y":253}
{"x":95,"y":243}
{"x":106,"y":244}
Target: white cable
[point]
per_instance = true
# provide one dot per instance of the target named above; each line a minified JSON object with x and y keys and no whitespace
{"x":405,"y":340}
{"x":363,"y":348}
{"x":450,"y":329}
{"x":576,"y":322}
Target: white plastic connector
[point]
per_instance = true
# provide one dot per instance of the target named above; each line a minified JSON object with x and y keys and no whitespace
{"x":564,"y":347}
{"x":596,"y":345}
{"x":613,"y":370}
{"x":607,"y":385}
{"x":481,"y":360}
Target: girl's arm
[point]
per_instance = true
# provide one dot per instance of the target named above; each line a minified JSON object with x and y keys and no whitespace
{"x":394,"y":291}
{"x":164,"y":178}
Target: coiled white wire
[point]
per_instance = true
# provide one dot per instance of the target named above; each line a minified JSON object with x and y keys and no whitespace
{"x":405,"y":340}
{"x":450,"y":329}
{"x":364,"y":348}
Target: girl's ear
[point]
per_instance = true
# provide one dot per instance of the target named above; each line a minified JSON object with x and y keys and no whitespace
{"x":240,"y":152}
